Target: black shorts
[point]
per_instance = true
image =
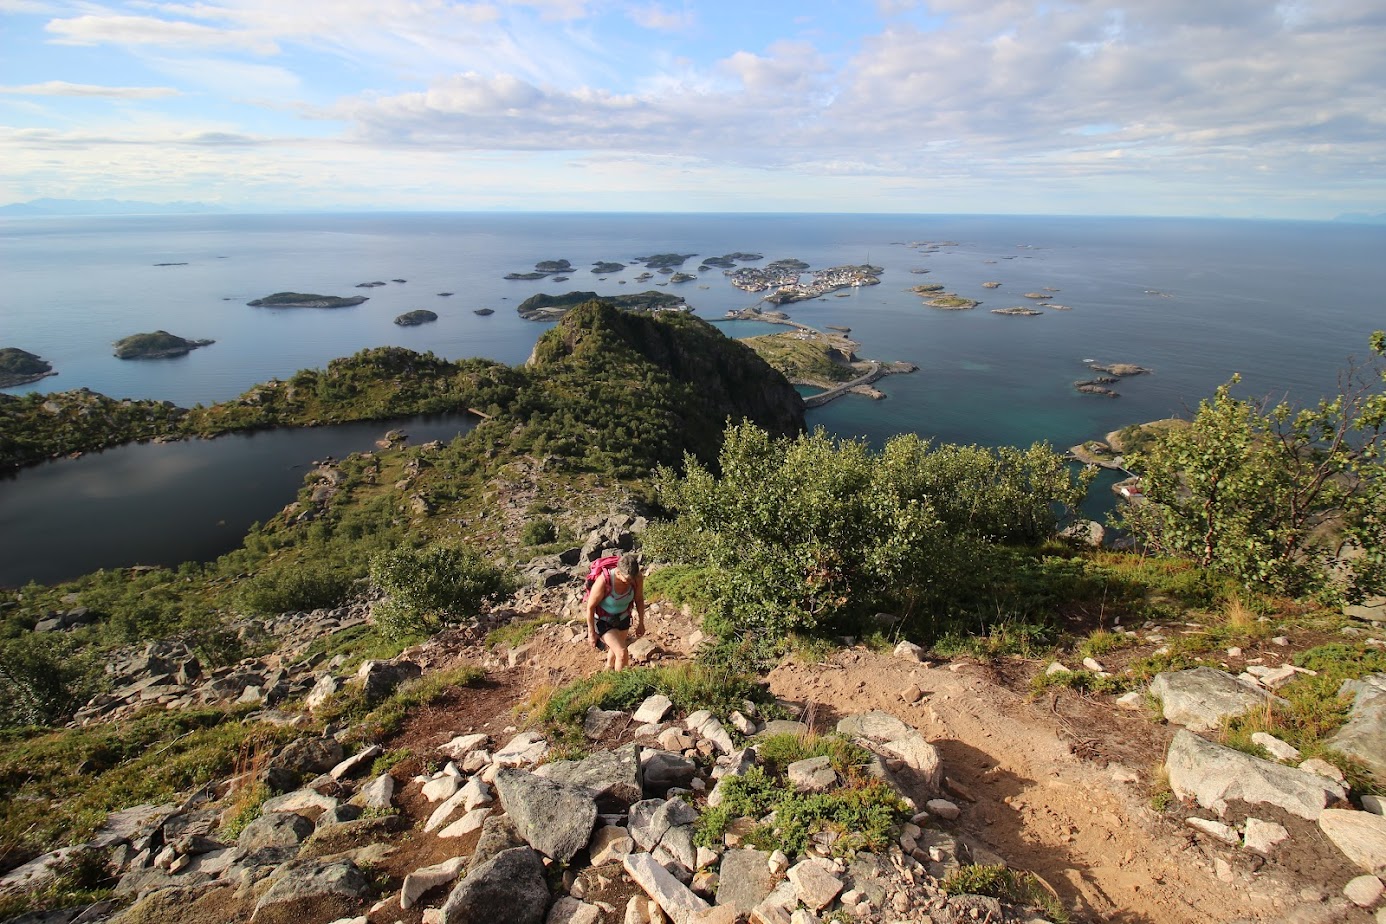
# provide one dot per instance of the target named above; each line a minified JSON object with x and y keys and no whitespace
{"x":605,"y":623}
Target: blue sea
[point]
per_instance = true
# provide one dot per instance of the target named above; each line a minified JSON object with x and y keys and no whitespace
{"x":1282,"y":303}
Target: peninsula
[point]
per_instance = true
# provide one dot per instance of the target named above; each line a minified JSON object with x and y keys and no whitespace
{"x":20,"y":367}
{"x":159,"y":344}
{"x":304,"y":300}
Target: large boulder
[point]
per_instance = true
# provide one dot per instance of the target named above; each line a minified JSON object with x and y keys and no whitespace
{"x":745,"y":879}
{"x":316,"y":889}
{"x":919,"y":755}
{"x":873,"y":726}
{"x":1361,"y":836}
{"x":1215,"y":776}
{"x":1202,"y":697}
{"x":309,"y":756}
{"x":498,"y":834}
{"x":664,"y":770}
{"x":554,"y":818}
{"x":509,"y":887}
{"x":1364,"y":736}
{"x":612,"y":777}
{"x":275,"y":829}
{"x":673,"y":897}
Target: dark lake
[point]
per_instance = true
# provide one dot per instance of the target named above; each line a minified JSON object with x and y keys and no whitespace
{"x":164,"y":504}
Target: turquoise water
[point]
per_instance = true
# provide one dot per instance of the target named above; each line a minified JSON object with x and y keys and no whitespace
{"x":1282,"y":303}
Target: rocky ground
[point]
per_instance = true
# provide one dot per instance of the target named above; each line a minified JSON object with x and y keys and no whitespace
{"x":482,"y":821}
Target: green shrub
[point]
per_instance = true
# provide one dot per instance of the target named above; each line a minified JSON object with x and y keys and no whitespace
{"x":1014,"y":886}
{"x":434,"y":586}
{"x":538,"y":531}
{"x":303,"y":585}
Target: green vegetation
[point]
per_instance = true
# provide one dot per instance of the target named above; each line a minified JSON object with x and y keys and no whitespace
{"x":1277,"y":498}
{"x":862,"y":813}
{"x":543,"y":306}
{"x":952,"y":301}
{"x":514,"y":634}
{"x":56,"y":786}
{"x":816,"y":533}
{"x":432,"y":587}
{"x":1014,"y":886}
{"x":378,"y":721}
{"x":817,"y":361}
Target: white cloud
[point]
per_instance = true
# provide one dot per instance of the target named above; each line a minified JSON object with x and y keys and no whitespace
{"x":63,"y":88}
{"x":146,"y":30}
{"x":655,"y":16}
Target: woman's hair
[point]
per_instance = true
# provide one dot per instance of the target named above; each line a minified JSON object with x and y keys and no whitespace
{"x":629,"y":565}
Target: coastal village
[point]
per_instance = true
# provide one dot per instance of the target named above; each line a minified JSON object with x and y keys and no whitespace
{"x":783,"y":277}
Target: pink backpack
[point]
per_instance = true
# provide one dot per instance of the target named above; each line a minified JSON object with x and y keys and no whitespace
{"x":599,"y":567}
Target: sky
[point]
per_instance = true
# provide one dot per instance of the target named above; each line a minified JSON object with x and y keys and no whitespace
{"x":1237,"y":108}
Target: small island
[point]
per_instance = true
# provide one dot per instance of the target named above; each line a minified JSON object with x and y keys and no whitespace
{"x":370,"y":285}
{"x":484,"y":311}
{"x":1121,"y":369}
{"x":20,"y":367}
{"x":729,"y":260}
{"x":664,"y":260}
{"x":951,"y":302}
{"x":551,"y":307}
{"x":931,"y":288}
{"x":682,"y":277}
{"x":157,"y":345}
{"x":304,"y":300}
{"x":416,"y":317}
{"x":601,"y":267}
{"x":1018,"y":311}
{"x":1037,"y":295}
{"x":991,"y":285}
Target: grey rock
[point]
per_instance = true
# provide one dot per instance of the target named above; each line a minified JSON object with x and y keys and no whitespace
{"x":783,"y":727}
{"x":651,"y":820}
{"x":664,"y":770}
{"x":673,"y":897}
{"x":598,"y":721}
{"x":1363,"y":737}
{"x":323,"y":690}
{"x":498,"y":834}
{"x":554,"y":818}
{"x":812,"y":774}
{"x":815,"y":883}
{"x":874,"y":726}
{"x":1372,"y":609}
{"x":421,"y":881}
{"x":569,"y":910}
{"x":322,"y":888}
{"x":612,"y":777}
{"x":355,"y":762}
{"x":379,"y":678}
{"x":275,"y":829}
{"x":919,"y":755}
{"x":745,"y":879}
{"x":508,"y":888}
{"x":1215,"y":775}
{"x":1202,"y":697}
{"x":129,"y":825}
{"x":653,"y":709}
{"x":1361,"y":836}
{"x":340,"y":814}
{"x":300,"y":800}
{"x":309,"y":756}
{"x":378,"y":795}
{"x":1264,"y":836}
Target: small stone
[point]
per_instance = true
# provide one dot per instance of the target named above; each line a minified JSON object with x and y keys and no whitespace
{"x":909,"y":651}
{"x":1323,"y":768}
{"x":944,"y":809}
{"x":653,"y":709}
{"x":440,"y":788}
{"x":706,"y":856}
{"x":912,"y":694}
{"x":1280,"y":640}
{"x":1263,"y":836}
{"x":1275,"y":747}
{"x":1094,"y":665}
{"x":1125,"y":775}
{"x":1364,"y":891}
{"x":1374,"y":804}
{"x":1215,"y":829}
{"x":1223,"y":870}
{"x":779,"y":863}
{"x":1234,"y":652}
{"x":1132,"y":700}
{"x":1056,"y":668}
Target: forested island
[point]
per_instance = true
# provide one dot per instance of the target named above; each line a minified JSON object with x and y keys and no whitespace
{"x":20,"y":367}
{"x":416,"y":317}
{"x":544,"y":307}
{"x":305,"y":300}
{"x":159,"y":344}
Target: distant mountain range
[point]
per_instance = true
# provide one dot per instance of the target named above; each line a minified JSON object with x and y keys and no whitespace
{"x":1362,"y":218}
{"x":104,"y":207}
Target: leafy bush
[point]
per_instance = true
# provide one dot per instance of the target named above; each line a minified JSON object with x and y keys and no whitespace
{"x":44,"y":679}
{"x":1279,"y":498}
{"x":1014,"y":886}
{"x":308,"y":585}
{"x":815,"y":532}
{"x":431,"y":587}
{"x":538,"y":531}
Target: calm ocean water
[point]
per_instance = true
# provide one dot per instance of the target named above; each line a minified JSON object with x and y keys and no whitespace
{"x":1283,"y":303}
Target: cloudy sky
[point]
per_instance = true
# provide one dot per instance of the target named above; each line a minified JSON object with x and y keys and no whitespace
{"x":1160,"y":107}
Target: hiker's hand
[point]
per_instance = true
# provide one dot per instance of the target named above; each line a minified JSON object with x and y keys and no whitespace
{"x":592,"y":637}
{"x":639,"y":630}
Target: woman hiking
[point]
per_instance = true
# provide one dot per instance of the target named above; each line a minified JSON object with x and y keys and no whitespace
{"x":615,"y":593}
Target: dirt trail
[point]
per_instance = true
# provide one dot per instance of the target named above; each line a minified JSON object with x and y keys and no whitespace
{"x":1039,"y":780}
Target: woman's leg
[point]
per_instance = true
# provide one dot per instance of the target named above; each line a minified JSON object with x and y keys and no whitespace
{"x":617,"y":658}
